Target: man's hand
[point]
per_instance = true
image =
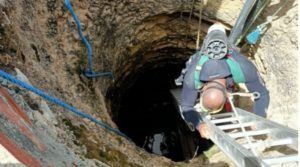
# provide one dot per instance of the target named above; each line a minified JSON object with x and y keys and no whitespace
{"x":203,"y":131}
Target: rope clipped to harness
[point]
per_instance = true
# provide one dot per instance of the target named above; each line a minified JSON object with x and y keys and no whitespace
{"x":254,"y":36}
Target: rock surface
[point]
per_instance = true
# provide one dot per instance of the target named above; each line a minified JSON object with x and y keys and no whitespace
{"x":276,"y":58}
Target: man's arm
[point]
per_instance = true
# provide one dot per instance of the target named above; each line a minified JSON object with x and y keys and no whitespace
{"x":254,"y":83}
{"x":179,"y":80}
{"x":187,"y":102}
{"x":261,"y":104}
{"x":191,"y":116}
{"x":189,"y":94}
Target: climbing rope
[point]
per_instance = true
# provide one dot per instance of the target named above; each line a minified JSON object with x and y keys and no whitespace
{"x":199,"y":26}
{"x":181,"y":20}
{"x":188,"y":22}
{"x":59,"y":102}
{"x":254,"y":36}
{"x":90,"y":72}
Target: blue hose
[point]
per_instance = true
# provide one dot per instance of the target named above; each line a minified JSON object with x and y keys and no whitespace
{"x":89,"y":72}
{"x":59,"y":102}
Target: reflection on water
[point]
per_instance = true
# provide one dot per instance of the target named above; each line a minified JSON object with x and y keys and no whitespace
{"x":161,"y":143}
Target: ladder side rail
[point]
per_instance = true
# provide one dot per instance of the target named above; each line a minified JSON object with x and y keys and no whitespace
{"x":237,"y":153}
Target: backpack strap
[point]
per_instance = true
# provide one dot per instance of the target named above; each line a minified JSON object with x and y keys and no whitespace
{"x":203,"y":59}
{"x":235,"y":69}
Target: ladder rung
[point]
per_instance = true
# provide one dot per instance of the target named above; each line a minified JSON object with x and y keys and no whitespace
{"x":281,"y":159}
{"x":268,"y":143}
{"x":216,"y":121}
{"x":229,"y":114}
{"x":237,"y":125}
{"x":250,"y":133}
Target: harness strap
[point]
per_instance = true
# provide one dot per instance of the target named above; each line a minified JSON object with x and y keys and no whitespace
{"x":236,"y":70}
{"x":203,"y":59}
{"x":234,"y":66}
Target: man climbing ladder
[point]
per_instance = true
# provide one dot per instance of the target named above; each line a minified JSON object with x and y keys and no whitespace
{"x":213,"y":71}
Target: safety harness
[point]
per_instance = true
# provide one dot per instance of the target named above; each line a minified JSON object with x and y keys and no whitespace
{"x":235,"y":69}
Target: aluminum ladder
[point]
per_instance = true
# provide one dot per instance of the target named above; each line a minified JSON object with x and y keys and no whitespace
{"x":232,"y":133}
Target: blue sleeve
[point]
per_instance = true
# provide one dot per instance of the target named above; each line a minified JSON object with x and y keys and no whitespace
{"x":189,"y":95}
{"x":262,"y":103}
{"x":188,"y":99}
{"x":179,"y":80}
{"x":254,"y":83}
